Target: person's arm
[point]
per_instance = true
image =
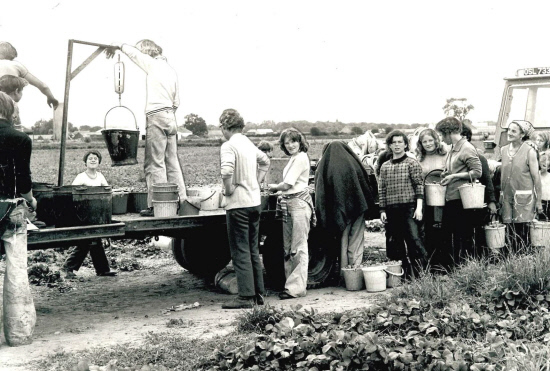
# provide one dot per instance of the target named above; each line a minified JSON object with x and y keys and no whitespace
{"x":382,"y":195}
{"x":23,"y":180}
{"x":416,"y":177}
{"x":142,"y":60}
{"x":535,"y":175}
{"x":227,"y":158}
{"x":263,"y":165}
{"x":292,"y":174}
{"x":44,"y":89}
{"x":471,"y":159}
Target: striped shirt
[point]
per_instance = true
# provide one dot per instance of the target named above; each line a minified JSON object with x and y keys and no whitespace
{"x":400,"y":182}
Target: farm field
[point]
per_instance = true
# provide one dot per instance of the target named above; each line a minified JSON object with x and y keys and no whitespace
{"x":200,"y":165}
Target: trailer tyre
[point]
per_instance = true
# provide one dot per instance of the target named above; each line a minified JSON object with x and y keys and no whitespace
{"x":203,"y":253}
{"x":322,"y":250}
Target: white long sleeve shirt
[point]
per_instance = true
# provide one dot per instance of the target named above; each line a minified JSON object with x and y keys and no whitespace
{"x":240,"y":160}
{"x":162,"y":80}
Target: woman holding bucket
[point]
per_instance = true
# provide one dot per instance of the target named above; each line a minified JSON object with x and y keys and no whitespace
{"x":521,"y":188}
{"x":462,"y":165}
{"x":431,"y":155}
{"x":298,"y":212}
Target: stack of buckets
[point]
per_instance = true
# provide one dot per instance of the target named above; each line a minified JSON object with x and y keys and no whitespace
{"x":374,"y":278}
{"x":165,"y":199}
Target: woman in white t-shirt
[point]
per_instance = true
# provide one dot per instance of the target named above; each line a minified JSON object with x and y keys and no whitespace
{"x":91,"y":178}
{"x":297,"y":207}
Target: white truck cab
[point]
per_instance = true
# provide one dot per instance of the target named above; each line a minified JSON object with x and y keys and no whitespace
{"x":526,"y":97}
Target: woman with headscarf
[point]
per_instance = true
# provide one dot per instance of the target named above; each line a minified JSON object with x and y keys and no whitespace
{"x":343,"y":199}
{"x":520,"y":182}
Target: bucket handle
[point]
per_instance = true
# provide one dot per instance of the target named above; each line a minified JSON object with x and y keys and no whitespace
{"x":105,"y":119}
{"x":395,"y":274}
{"x":431,"y":171}
{"x":209,"y":197}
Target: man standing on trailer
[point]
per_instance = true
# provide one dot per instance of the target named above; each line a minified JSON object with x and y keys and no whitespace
{"x":161,"y":163}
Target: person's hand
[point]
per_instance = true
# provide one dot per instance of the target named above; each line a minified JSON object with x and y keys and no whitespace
{"x":447,"y":179}
{"x":229,"y":192}
{"x":273,"y":188}
{"x":383,"y":217}
{"x":111,"y":51}
{"x":540,"y":210}
{"x":52,"y":102}
{"x":32,"y":204}
{"x":418,"y":214}
{"x":492,"y":208}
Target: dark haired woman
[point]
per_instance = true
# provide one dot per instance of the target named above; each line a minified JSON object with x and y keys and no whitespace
{"x":298,"y":211}
{"x":90,"y":178}
{"x":520,"y":183}
{"x":243,"y":168}
{"x":461,"y":165}
{"x":401,"y":192}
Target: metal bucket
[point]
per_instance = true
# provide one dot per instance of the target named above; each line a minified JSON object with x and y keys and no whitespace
{"x":540,"y":233}
{"x":120,"y":203}
{"x":204,"y":198}
{"x":93,"y":205}
{"x":45,"y":210}
{"x":472,"y":195}
{"x":64,"y":211}
{"x":495,"y":235}
{"x":121,"y":143}
{"x":435,"y":194}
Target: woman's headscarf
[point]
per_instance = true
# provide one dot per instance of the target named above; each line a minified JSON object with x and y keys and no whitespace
{"x":525,"y":126}
{"x":343,"y":189}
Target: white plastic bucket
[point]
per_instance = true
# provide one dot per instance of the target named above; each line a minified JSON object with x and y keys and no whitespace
{"x":472,"y":195}
{"x":395,"y":272}
{"x":375,"y":278}
{"x":540,"y":233}
{"x":435,"y":194}
{"x":495,"y":236}
{"x":164,"y":209}
{"x":204,"y":198}
{"x":354,"y":279}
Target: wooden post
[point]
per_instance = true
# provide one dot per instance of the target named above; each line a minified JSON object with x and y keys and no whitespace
{"x":65,"y":114}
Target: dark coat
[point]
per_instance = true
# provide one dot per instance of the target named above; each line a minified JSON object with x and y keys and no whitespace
{"x":343,"y":189}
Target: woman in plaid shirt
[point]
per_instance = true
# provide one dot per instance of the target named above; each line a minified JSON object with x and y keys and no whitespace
{"x":400,"y":195}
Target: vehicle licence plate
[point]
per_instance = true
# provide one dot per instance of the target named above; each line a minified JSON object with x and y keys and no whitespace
{"x":537,"y":71}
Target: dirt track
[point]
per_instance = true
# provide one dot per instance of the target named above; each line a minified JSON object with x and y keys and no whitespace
{"x":100,"y":311}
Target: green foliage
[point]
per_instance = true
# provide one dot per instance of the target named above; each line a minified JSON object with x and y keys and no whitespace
{"x":46,"y":127}
{"x":457,"y":107}
{"x":315,"y":131}
{"x":357,"y":130}
{"x":196,"y":125}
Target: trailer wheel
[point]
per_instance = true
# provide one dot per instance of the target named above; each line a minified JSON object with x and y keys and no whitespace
{"x":203,"y":253}
{"x":322,"y":250}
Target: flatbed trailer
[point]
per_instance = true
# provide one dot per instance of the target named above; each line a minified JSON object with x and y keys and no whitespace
{"x":199,"y":242}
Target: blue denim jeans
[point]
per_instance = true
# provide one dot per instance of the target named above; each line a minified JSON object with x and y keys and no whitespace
{"x":243,"y":226}
{"x":403,"y":231}
{"x":161,"y":163}
{"x":295,"y":234}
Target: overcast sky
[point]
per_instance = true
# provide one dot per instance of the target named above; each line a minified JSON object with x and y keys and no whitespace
{"x":352,"y":61}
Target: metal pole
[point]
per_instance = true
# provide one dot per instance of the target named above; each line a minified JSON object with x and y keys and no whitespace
{"x":65,"y":114}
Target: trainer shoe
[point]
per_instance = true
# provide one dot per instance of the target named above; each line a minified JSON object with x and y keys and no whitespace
{"x":147,"y":212}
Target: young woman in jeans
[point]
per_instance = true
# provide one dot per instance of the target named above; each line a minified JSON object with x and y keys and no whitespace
{"x":297,"y":207}
{"x":401,"y":193}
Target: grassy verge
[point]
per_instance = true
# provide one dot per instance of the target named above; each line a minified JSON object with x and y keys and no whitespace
{"x":490,"y":314}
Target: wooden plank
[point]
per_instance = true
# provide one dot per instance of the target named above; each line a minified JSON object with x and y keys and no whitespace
{"x":80,"y":233}
{"x":87,"y":62}
{"x":92,"y":44}
{"x":65,"y":114}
